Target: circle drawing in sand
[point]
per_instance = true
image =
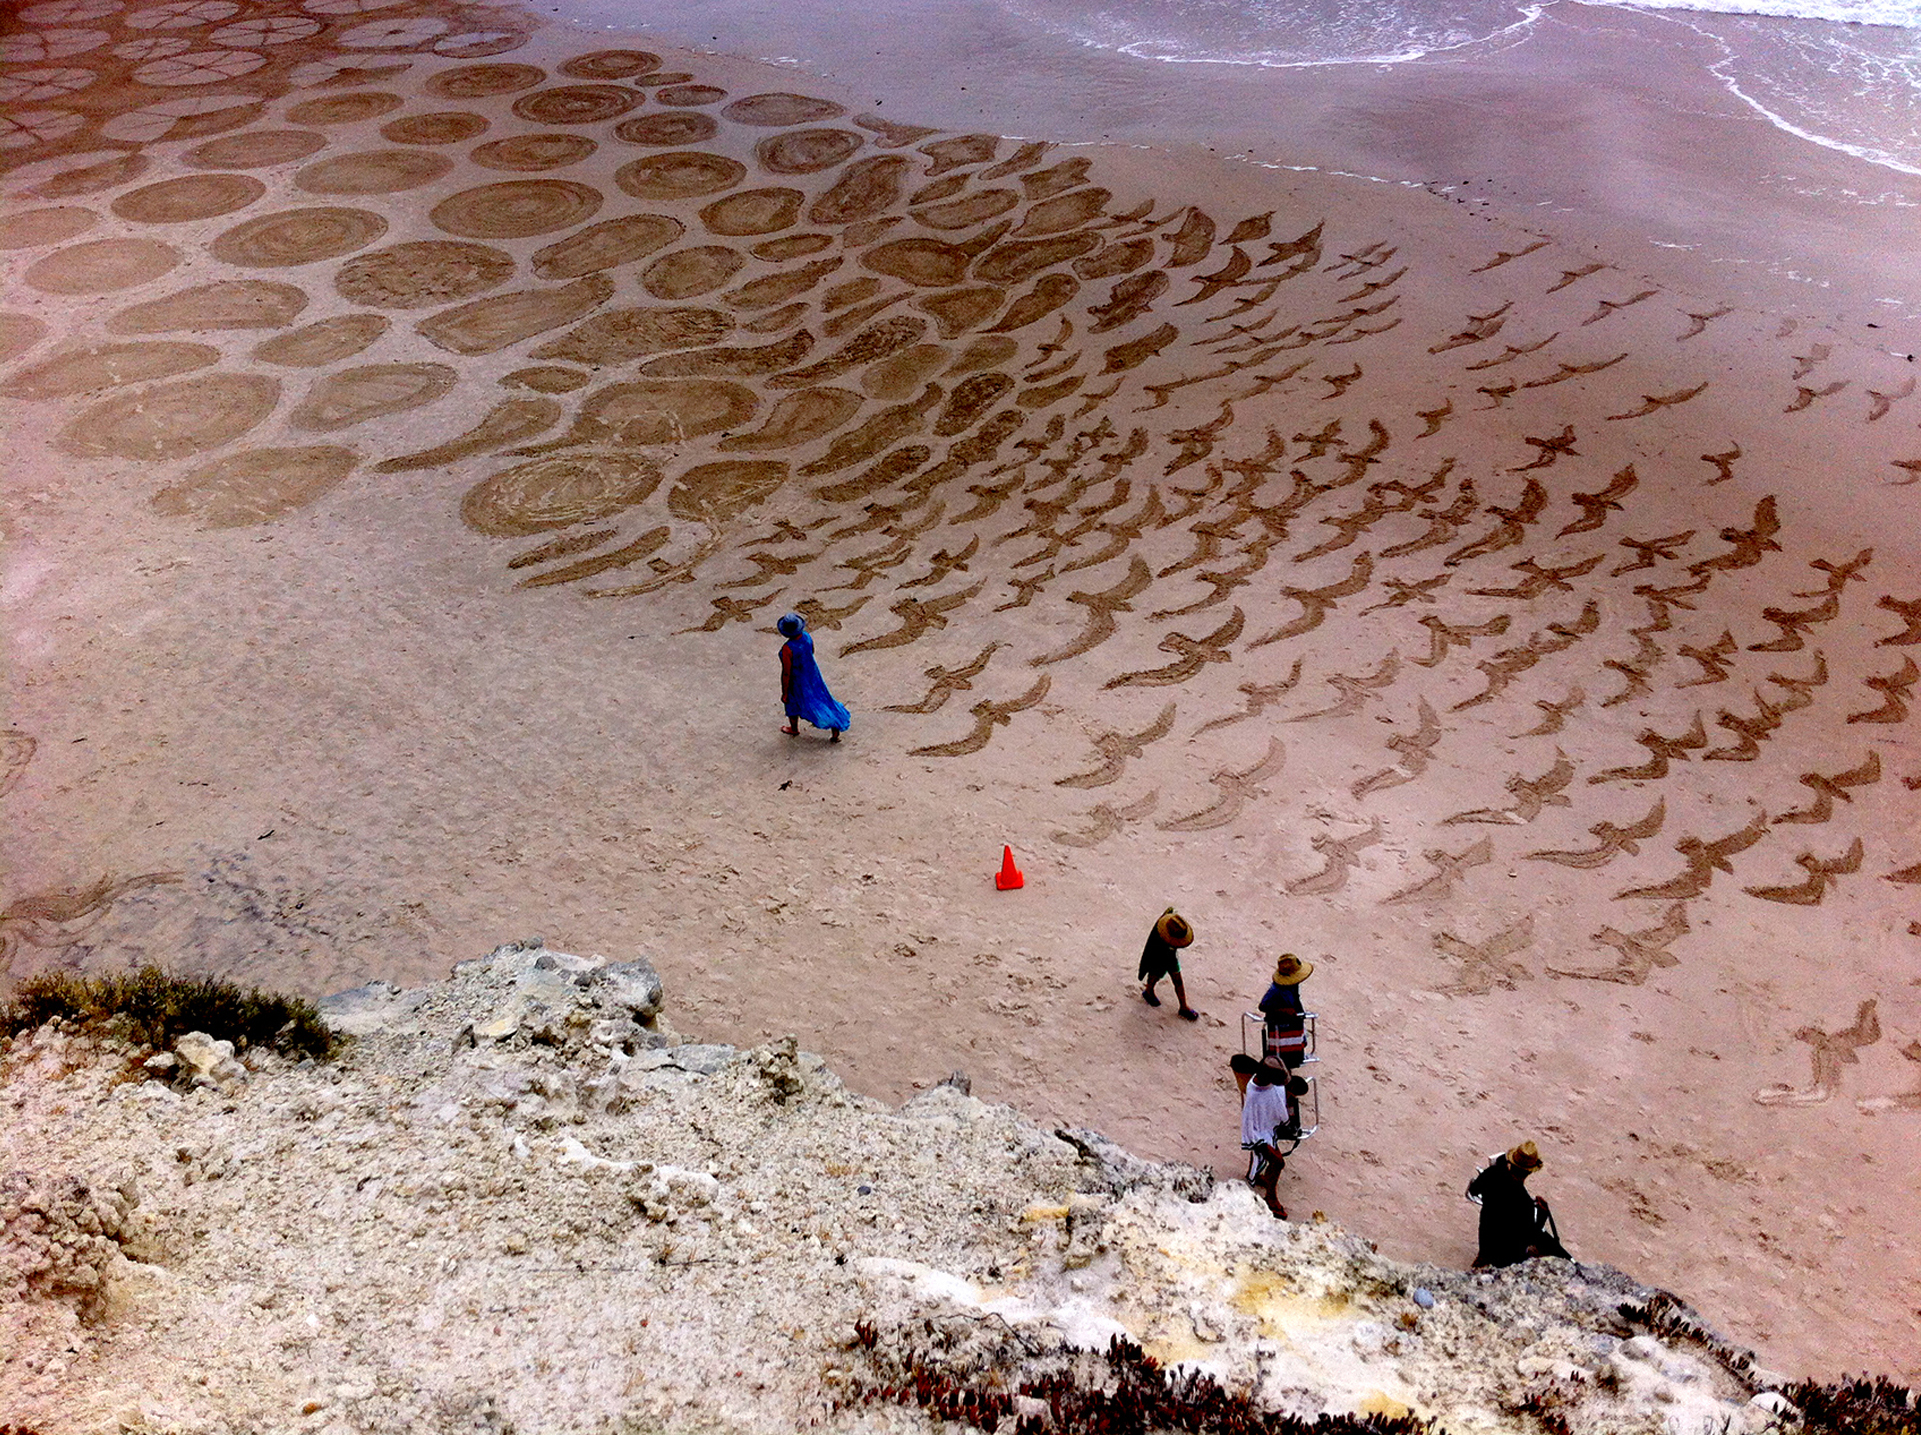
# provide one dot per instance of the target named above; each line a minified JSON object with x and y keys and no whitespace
{"x":684,"y":174}
{"x":50,"y":44}
{"x":515,"y":208}
{"x":325,"y":342}
{"x":154,"y":47}
{"x":379,"y":171}
{"x":423,"y":273}
{"x":806,"y":151}
{"x":19,"y":333}
{"x":713,"y":493}
{"x":101,"y":266}
{"x":267,"y":30}
{"x":24,"y":87}
{"x":223,"y":304}
{"x":441,"y":127}
{"x":668,"y":129}
{"x":658,"y":411}
{"x":93,"y":177}
{"x":298,"y":236}
{"x":687,"y":272}
{"x":193,"y":196}
{"x":256,"y":485}
{"x":473,"y":82}
{"x":533,"y":152}
{"x":604,"y":245}
{"x":69,"y":12}
{"x":181,"y":15}
{"x":782,"y":109}
{"x":551,"y":493}
{"x":200,"y":67}
{"x":576,"y":104}
{"x":968,"y":210}
{"x":400,"y":34}
{"x":354,"y":396}
{"x":107,"y":366}
{"x":545,"y":379}
{"x":792,"y":246}
{"x":753,"y":211}
{"x":22,"y":129}
{"x":472,"y":44}
{"x":662,"y":77}
{"x":867,"y":188}
{"x":610,"y":64}
{"x":931,"y":263}
{"x":171,"y":420}
{"x":679,"y":95}
{"x":33,"y":227}
{"x":255,"y":149}
{"x":347,"y":109}
{"x":348,"y":7}
{"x":188,"y":117}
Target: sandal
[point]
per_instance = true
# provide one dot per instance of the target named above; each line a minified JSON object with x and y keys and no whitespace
{"x":1189,"y":1014}
{"x":1147,"y":995}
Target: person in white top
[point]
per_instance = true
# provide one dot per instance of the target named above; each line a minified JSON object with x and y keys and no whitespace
{"x":1267,"y":1115}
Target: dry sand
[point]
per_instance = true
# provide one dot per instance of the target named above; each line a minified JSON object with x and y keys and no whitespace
{"x":290,"y":705}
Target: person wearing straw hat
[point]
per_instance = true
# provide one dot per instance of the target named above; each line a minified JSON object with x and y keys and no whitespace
{"x":1161,"y":958}
{"x":1515,"y":1225}
{"x":1285,"y":1030}
{"x":1268,"y":1117}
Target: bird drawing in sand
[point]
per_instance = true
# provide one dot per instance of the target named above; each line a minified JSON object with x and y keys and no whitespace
{"x":1610,"y":841}
{"x":1101,"y":607}
{"x":1663,"y":750}
{"x":1260,"y":696}
{"x":1638,"y":954}
{"x":1828,"y":1052}
{"x":1532,"y":796}
{"x":1356,"y":691}
{"x":1442,"y":523}
{"x":1557,"y":446}
{"x":1514,"y":351}
{"x":1485,"y":965}
{"x":1444,"y":637}
{"x":1568,"y":371}
{"x":730,"y":610}
{"x":1414,"y":751}
{"x":1317,"y":603}
{"x":1652,"y":551}
{"x":1434,"y":418}
{"x":1402,"y":592}
{"x":1653,"y":403}
{"x":1821,"y":872}
{"x":1895,"y":688}
{"x":1637,"y":670}
{"x":1237,"y":789}
{"x":947,"y":682}
{"x":918,"y":617}
{"x":1723,"y":465}
{"x":1507,"y":255}
{"x":1805,"y":396}
{"x":1613,"y":306}
{"x":1908,"y":610}
{"x":1804,"y":364}
{"x":987,"y":717}
{"x":1450,"y":869}
{"x":1541,"y":580}
{"x":1801,"y":690}
{"x":1713,"y":660}
{"x":1698,"y":323}
{"x":1107,"y":820}
{"x":1704,"y":859}
{"x":1115,"y":748}
{"x":1879,"y":403}
{"x":1828,"y":788}
{"x":1748,"y":546}
{"x":1749,"y":732}
{"x":1554,"y":715}
{"x":1340,"y":856}
{"x":1195,"y":654}
{"x":1570,"y":276}
{"x":1595,"y":507}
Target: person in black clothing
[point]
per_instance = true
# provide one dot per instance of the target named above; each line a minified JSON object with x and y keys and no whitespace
{"x":1515,"y":1226}
{"x":1161,"y":958}
{"x":1286,"y":1034}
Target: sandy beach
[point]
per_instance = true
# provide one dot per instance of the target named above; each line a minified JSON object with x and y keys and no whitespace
{"x":421,"y":413}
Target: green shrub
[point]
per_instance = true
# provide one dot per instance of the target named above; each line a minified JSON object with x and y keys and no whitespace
{"x":158,"y":1008}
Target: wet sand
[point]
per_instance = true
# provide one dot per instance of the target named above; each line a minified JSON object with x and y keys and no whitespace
{"x":1473,"y":609}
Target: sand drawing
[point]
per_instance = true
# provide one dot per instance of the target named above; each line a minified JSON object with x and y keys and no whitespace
{"x":1704,"y":859}
{"x":1908,"y":610}
{"x":947,"y":681}
{"x":1356,"y":691}
{"x":1449,"y":870}
{"x":1653,"y":403}
{"x":1894,"y":688}
{"x":1195,"y":655}
{"x":1485,"y":965}
{"x":1532,"y":796}
{"x":1237,"y":789}
{"x":1554,"y":714}
{"x":728,"y":609}
{"x":16,"y":751}
{"x":1414,"y":751}
{"x":1821,"y":873}
{"x":1340,"y":856}
{"x":1698,"y":322}
{"x":1611,"y":841}
{"x":1901,"y":1101}
{"x":918,"y":617}
{"x":1880,"y":403}
{"x":1259,"y":697}
{"x":1116,"y":748}
{"x":58,"y":920}
{"x":987,"y":716}
{"x":1638,"y":953}
{"x":1829,"y":1051}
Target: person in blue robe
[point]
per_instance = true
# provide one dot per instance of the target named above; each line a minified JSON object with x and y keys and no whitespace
{"x":802,"y":689}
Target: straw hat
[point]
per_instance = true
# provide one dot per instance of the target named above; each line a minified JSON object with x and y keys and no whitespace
{"x":1174,"y":929}
{"x":1291,"y":971}
{"x":1524,"y":1157}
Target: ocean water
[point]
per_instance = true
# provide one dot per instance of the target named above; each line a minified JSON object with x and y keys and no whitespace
{"x":1845,"y":74}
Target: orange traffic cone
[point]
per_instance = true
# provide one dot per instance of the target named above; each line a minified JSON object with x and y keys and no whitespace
{"x":1009,"y":877}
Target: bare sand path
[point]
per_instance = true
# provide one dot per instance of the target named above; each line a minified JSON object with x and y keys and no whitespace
{"x":422,"y":418}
